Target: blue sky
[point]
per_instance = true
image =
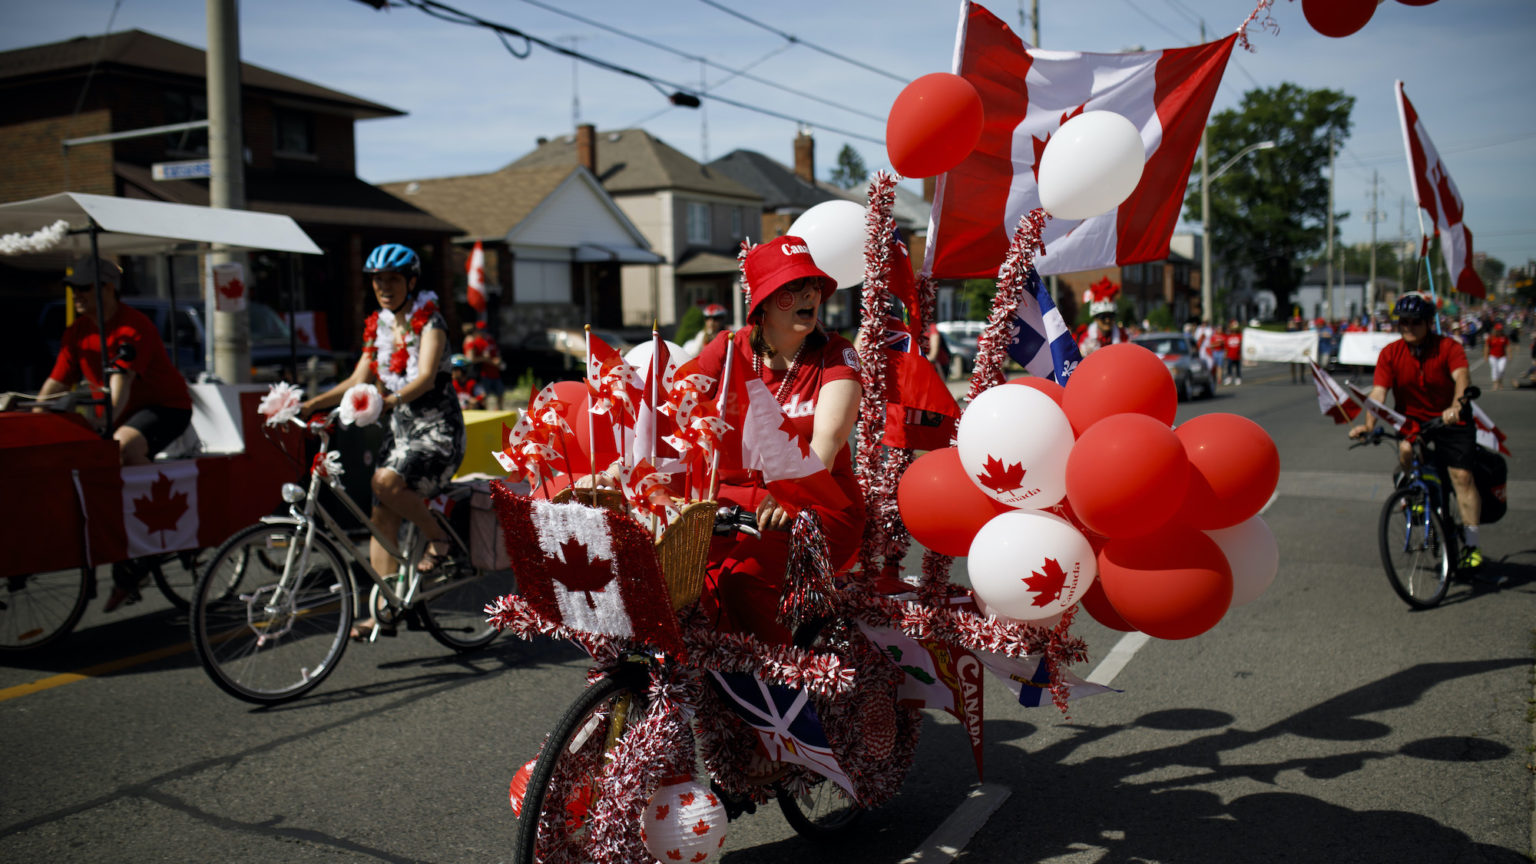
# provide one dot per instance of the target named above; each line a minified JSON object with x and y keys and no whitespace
{"x":1468,"y":65}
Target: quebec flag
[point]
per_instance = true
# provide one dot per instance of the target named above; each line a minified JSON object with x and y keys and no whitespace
{"x":1041,"y":342}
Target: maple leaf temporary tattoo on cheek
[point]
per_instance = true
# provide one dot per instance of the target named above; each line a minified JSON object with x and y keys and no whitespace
{"x":785,"y":299}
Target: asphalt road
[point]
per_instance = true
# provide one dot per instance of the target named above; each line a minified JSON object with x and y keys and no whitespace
{"x":1324,"y":722}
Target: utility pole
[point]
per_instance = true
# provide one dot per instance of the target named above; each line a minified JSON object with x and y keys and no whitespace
{"x":1034,"y":20}
{"x":1402,"y":245}
{"x":1370,"y":282}
{"x":226,"y":184}
{"x":1207,"y":291}
{"x":1328,"y":258}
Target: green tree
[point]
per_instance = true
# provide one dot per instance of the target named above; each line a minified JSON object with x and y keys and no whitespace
{"x":849,"y":170}
{"x":977,"y":296}
{"x":1269,"y":211}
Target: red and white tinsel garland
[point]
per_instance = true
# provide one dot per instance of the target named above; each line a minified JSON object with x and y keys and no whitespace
{"x":992,"y":347}
{"x":875,"y":477}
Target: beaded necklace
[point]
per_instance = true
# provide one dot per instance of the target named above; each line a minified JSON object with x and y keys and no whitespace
{"x":789,"y":374}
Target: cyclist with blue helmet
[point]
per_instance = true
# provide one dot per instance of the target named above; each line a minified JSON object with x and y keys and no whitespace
{"x":1427,"y":375}
{"x":406,"y":350}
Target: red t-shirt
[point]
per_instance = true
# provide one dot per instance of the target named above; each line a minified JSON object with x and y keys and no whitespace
{"x":1218,"y":344}
{"x":1234,"y":345}
{"x":1421,"y":386}
{"x":157,"y":381}
{"x":1498,"y":346}
{"x":483,"y":347}
{"x":834,"y":361}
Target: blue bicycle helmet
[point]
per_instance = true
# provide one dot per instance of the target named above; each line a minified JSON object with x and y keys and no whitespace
{"x":393,"y":258}
{"x":1413,"y":306}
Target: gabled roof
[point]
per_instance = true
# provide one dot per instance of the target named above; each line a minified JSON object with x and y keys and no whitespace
{"x":780,"y":186}
{"x":486,"y":206}
{"x":136,"y":49}
{"x":634,"y":160}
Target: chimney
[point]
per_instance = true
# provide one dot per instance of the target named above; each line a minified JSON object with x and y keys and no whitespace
{"x":805,"y":156}
{"x":586,"y":147}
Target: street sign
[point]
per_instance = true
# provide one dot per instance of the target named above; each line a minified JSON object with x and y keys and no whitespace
{"x":187,"y":170}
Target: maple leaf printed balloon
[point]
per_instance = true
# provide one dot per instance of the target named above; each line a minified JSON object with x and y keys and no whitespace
{"x":684,"y":821}
{"x":1030,"y":565}
{"x":1013,"y":443}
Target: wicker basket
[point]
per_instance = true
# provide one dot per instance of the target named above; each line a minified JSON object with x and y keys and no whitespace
{"x":683,"y":550}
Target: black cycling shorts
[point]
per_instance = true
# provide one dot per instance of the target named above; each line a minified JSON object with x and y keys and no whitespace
{"x":1455,"y":446}
{"x":159,"y":425}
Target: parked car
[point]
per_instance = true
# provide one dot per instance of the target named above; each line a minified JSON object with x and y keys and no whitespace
{"x":961,"y":337}
{"x":1190,"y":374}
{"x":269,"y":339}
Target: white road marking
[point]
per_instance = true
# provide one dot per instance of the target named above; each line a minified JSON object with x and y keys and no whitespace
{"x":949,"y":839}
{"x":1118,"y":656}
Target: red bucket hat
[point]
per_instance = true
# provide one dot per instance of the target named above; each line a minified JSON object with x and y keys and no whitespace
{"x":772,"y":265}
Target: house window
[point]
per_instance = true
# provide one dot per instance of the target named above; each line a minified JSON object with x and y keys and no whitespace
{"x":735,"y":224}
{"x":295,"y":133}
{"x":698,"y":224}
{"x":184,"y":107}
{"x":541,"y":281}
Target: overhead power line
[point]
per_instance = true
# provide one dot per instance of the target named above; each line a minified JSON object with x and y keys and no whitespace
{"x":681,"y":95}
{"x":735,"y":73}
{"x":798,"y":41}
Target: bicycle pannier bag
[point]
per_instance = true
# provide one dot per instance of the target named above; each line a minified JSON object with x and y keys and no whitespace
{"x":487,"y":549}
{"x":1490,"y":473}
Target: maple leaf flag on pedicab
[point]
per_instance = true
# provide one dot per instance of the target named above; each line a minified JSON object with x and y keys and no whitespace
{"x":1436,"y":192}
{"x":1027,"y":94}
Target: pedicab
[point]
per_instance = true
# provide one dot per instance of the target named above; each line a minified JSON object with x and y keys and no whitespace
{"x":69,"y":506}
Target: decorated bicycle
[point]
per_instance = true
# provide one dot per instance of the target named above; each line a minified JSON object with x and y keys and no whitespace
{"x":1099,"y":505}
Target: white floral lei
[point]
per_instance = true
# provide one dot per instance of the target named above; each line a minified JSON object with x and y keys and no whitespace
{"x":384,"y":344}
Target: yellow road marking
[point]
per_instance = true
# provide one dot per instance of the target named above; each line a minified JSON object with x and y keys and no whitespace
{"x":92,"y":671}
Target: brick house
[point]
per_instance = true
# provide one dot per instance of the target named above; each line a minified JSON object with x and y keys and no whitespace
{"x":300,"y":162}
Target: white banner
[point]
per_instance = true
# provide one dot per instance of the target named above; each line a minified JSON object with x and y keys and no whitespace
{"x":1360,"y":349}
{"x":160,"y":507}
{"x":1266,"y":346}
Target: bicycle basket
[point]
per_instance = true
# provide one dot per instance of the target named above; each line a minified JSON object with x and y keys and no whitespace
{"x":682,"y":551}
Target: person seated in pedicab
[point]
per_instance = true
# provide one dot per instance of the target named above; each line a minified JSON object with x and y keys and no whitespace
{"x":470,"y":391}
{"x":814,"y":375}
{"x":151,"y":406}
{"x":406,"y":350}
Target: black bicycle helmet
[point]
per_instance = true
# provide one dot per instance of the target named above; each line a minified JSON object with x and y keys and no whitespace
{"x":1413,"y":306}
{"x":393,"y":258}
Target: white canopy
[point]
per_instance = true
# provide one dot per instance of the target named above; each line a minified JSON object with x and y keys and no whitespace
{"x":132,"y":226}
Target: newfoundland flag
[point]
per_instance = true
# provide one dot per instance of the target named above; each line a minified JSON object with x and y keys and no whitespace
{"x":1027,"y":94}
{"x":1040,"y":340}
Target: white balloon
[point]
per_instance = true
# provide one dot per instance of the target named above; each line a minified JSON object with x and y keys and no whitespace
{"x":1251,"y":549}
{"x":1029,"y":565}
{"x":1013,"y":444}
{"x":834,"y":232}
{"x":640,"y":355}
{"x":1092,"y":163}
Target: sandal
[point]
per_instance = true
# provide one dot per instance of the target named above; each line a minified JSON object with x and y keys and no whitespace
{"x":438,"y":556}
{"x":362,"y":631}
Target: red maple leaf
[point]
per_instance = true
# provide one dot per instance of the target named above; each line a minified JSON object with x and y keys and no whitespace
{"x":1039,"y":143}
{"x":160,"y":511}
{"x":582,"y":573}
{"x":675,"y":854}
{"x":685,"y":799}
{"x":701,"y":828}
{"x":233,"y":289}
{"x":1048,"y":585}
{"x":999,"y":477}
{"x":788,"y":428}
{"x":699,"y":856}
{"x":661,"y":811}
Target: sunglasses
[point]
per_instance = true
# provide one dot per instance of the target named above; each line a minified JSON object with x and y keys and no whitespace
{"x":1409,"y":322}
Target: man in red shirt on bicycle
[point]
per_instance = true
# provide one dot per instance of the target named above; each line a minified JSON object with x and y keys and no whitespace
{"x":1427,"y":374}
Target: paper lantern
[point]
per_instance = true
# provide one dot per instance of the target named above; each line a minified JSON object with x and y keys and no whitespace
{"x":684,"y":821}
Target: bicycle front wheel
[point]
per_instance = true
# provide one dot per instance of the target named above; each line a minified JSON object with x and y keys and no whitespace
{"x":38,"y":609}
{"x":563,"y":788}
{"x":1415,"y":548}
{"x":452,"y":606}
{"x":262,"y":637}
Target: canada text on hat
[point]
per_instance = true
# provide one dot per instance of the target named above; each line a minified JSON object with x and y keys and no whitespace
{"x":772,"y":265}
{"x":82,"y":271}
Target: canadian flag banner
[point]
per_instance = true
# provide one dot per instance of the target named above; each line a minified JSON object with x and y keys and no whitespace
{"x":1027,"y":94}
{"x":475,"y":290}
{"x":1436,"y":193}
{"x":1488,"y":433}
{"x":1331,"y":398}
{"x":587,"y":568}
{"x":160,"y":507}
{"x":937,"y":675}
{"x":1381,"y":412}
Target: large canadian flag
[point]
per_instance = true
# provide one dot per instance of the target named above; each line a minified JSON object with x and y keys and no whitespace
{"x":1436,"y":192}
{"x":475,"y":289}
{"x":1027,"y":93}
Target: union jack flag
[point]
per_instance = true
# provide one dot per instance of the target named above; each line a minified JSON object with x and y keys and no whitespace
{"x":786,"y":724}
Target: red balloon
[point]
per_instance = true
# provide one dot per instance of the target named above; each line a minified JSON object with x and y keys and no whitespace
{"x":940,"y":505}
{"x":1044,"y":385}
{"x":1234,"y":467}
{"x":519,"y":789}
{"x":574,"y":395}
{"x":1338,"y":18}
{"x":1117,"y":379}
{"x":1063,"y":508}
{"x":1415,"y":2}
{"x":1171,"y":585}
{"x":934,"y":123}
{"x":1126,"y":475}
{"x":1097,"y":605}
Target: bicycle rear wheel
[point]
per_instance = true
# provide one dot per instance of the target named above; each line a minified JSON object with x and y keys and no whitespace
{"x":1416,"y":549}
{"x":261,"y":641}
{"x":37,"y":609}
{"x":824,"y":810}
{"x":453,"y":605}
{"x":562,"y":787}
{"x":176,"y":575}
